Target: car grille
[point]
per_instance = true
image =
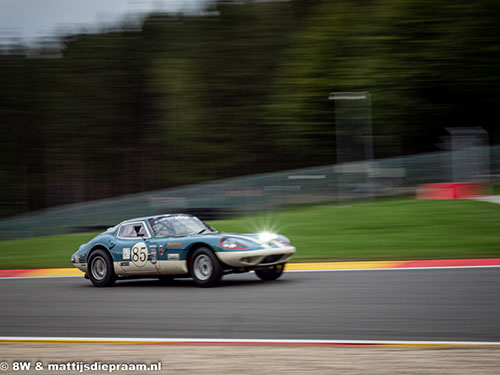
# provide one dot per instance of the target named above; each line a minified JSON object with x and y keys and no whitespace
{"x":272,"y":258}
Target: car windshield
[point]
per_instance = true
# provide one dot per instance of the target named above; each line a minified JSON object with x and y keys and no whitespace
{"x":177,"y":225}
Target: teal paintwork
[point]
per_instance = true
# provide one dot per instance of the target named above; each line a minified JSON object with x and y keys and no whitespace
{"x":173,"y":248}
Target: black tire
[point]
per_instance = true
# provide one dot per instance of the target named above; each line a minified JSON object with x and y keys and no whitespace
{"x":206,"y":270}
{"x":271,"y":272}
{"x":100,"y":269}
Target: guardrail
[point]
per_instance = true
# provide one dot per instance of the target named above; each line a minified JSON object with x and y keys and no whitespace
{"x":355,"y":180}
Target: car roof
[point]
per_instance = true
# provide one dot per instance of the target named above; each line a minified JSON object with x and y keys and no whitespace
{"x":145,"y":218}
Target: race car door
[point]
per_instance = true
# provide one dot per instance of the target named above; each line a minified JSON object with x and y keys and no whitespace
{"x":133,"y":244}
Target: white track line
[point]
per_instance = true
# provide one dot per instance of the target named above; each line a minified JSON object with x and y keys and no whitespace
{"x":221,"y":341}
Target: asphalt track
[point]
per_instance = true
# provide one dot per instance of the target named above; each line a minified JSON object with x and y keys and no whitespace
{"x":431,"y":304}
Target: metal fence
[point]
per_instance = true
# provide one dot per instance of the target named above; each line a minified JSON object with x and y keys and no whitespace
{"x":347,"y":181}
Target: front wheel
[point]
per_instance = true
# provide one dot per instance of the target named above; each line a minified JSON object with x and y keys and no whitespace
{"x":101,"y":272}
{"x":205,"y":268}
{"x":271,"y":272}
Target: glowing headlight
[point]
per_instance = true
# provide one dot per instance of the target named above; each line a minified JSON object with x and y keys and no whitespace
{"x":266,"y":236}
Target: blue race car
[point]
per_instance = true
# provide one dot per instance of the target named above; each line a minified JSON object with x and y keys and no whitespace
{"x":179,"y":245}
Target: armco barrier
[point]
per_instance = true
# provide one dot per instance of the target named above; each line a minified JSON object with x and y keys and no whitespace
{"x":241,"y":195}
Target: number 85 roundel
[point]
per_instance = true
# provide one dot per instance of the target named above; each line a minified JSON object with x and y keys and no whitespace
{"x":140,"y":254}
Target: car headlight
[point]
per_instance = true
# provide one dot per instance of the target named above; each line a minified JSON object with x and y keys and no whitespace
{"x":267,"y":236}
{"x":234,"y":243}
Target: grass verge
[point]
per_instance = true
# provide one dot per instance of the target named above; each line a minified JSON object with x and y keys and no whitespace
{"x":389,"y":229}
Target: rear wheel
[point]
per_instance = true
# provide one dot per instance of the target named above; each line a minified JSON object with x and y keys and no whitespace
{"x":205,"y":268}
{"x":100,"y":269}
{"x":271,"y":272}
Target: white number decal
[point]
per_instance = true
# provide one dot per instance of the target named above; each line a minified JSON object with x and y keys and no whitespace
{"x":139,"y":254}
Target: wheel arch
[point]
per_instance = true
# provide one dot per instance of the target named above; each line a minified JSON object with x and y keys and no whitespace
{"x":101,"y":247}
{"x":195,"y":247}
{"x":109,"y":278}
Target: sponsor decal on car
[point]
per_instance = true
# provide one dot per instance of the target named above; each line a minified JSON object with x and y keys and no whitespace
{"x":126,"y":253}
{"x":174,"y":244}
{"x":152,"y":256}
{"x":160,"y":219}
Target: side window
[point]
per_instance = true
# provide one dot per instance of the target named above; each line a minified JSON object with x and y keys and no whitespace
{"x":132,"y":230}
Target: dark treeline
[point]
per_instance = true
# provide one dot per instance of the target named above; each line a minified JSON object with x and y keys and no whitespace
{"x":238,"y":89}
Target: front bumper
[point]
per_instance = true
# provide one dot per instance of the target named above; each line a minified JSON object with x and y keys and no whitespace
{"x":257,"y":258}
{"x":79,"y":261}
{"x":81,"y":266}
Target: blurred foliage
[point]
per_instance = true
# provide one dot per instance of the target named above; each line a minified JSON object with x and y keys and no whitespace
{"x":238,"y":89}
